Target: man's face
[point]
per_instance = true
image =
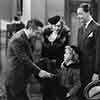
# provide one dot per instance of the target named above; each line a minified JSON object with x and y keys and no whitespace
{"x":82,"y":16}
{"x":35,"y":32}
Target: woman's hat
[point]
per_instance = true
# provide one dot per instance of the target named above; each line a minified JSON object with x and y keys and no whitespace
{"x":92,"y":90}
{"x":54,"y":20}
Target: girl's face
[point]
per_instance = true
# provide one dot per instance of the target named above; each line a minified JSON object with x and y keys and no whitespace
{"x":67,"y":55}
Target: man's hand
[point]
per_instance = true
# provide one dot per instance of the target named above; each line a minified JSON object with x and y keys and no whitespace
{"x":95,"y":77}
{"x":44,"y":74}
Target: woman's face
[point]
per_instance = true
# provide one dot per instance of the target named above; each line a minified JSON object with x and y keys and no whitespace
{"x":57,"y":26}
{"x":67,"y":55}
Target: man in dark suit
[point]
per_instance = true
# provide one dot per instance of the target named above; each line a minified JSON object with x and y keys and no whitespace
{"x":21,"y":64}
{"x":89,"y":44}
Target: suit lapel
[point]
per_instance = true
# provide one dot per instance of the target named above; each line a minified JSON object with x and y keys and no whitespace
{"x":88,"y":30}
{"x":80,"y":34}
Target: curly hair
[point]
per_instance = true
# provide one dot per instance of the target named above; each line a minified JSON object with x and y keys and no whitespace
{"x":73,"y":52}
{"x":34,"y":23}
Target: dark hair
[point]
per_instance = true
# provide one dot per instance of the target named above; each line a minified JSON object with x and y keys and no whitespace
{"x":86,"y":7}
{"x":76,"y":49}
{"x":33,"y":23}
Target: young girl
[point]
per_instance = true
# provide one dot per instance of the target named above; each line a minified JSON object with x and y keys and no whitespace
{"x":70,"y":74}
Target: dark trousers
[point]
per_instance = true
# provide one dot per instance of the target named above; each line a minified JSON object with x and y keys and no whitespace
{"x":11,"y":94}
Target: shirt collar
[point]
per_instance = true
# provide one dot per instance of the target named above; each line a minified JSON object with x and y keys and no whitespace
{"x":88,"y":22}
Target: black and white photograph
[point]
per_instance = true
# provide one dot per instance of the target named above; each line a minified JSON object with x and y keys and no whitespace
{"x":49,"y":49}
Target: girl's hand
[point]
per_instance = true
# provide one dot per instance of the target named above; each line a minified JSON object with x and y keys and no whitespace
{"x":67,"y":95}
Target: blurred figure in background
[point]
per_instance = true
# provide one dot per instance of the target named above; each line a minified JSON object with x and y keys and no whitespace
{"x":15,"y":26}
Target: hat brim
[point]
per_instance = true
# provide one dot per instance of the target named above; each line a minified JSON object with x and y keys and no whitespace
{"x":92,"y":90}
{"x":54,"y":20}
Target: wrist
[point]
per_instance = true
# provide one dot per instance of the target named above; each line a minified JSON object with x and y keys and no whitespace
{"x":40,"y":73}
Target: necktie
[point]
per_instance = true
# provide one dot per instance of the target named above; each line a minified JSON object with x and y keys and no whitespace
{"x":84,"y":27}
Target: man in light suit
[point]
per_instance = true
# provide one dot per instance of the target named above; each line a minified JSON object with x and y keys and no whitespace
{"x":89,"y":44}
{"x":21,"y":64}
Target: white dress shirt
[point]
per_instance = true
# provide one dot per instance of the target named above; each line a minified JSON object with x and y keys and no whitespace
{"x":88,"y":22}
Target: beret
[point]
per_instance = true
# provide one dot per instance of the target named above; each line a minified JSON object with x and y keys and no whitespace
{"x":54,"y":20}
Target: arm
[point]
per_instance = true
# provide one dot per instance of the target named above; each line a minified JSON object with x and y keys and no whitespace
{"x":20,"y":52}
{"x":76,"y":82}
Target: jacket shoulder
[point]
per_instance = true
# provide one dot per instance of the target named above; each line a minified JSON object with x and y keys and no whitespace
{"x":16,"y":37}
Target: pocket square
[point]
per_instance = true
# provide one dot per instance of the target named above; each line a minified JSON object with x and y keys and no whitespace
{"x":90,"y":35}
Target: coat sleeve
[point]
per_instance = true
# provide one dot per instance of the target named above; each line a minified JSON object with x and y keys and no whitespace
{"x":23,"y":58}
{"x":76,"y":82}
{"x":97,"y":60}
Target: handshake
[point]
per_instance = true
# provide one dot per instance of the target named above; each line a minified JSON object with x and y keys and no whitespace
{"x":45,"y":74}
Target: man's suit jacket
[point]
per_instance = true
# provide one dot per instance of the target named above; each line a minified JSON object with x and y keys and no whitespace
{"x":20,"y":62}
{"x":89,"y":44}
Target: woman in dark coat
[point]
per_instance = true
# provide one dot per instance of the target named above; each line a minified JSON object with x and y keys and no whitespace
{"x":56,"y":36}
